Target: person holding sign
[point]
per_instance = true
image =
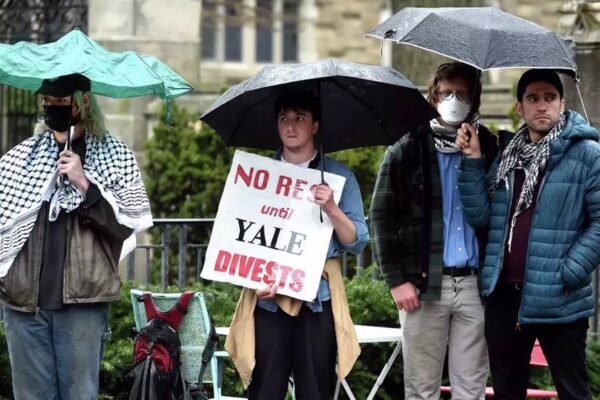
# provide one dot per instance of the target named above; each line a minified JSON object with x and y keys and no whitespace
{"x":274,"y":336}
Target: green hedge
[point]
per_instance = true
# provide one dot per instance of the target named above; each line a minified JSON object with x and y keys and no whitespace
{"x":370,"y":304}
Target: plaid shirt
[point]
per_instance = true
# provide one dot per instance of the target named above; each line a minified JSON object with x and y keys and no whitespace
{"x":406,"y":214}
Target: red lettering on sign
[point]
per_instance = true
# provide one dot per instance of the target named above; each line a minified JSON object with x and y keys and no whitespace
{"x":298,"y":188}
{"x":284,"y":183}
{"x":260,"y":270}
{"x":257,"y":270}
{"x":258,"y":181}
{"x":270,"y":269}
{"x":297,"y":277}
{"x":223,"y":259}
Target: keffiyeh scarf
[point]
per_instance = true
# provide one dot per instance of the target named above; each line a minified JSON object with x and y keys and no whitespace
{"x":532,"y":158}
{"x":444,"y":137}
{"x":28,"y":176}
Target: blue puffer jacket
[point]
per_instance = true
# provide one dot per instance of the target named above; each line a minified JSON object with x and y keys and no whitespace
{"x":564,"y":241}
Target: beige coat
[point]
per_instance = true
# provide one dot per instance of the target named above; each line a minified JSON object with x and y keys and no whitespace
{"x":240,"y":343}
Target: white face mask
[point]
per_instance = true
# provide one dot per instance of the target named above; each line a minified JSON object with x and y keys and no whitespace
{"x":453,"y":110}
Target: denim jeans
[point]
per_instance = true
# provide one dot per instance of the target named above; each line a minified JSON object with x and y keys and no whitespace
{"x":55,"y":355}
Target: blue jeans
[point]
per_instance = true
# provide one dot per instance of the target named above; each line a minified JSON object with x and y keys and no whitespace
{"x":55,"y":355}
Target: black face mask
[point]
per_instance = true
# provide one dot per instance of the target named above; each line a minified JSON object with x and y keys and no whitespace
{"x":57,"y":117}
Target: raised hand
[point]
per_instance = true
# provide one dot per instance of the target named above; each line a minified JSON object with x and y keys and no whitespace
{"x":69,"y":164}
{"x":468,"y":141}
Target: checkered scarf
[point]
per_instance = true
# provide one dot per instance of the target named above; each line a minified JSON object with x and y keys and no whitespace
{"x":531,"y":157}
{"x":444,"y":138}
{"x":28,"y":176}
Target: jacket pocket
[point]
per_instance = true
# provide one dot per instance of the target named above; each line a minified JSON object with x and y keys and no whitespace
{"x":16,"y":288}
{"x":570,"y":280}
{"x":91,"y":266}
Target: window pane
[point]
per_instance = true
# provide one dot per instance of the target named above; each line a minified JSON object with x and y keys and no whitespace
{"x":209,"y":29}
{"x":264,"y":30}
{"x":233,"y":33}
{"x":290,"y":31}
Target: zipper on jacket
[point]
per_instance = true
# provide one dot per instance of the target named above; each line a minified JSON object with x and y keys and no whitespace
{"x":36,"y":288}
{"x":69,"y":226}
{"x":506,"y":229}
{"x":537,"y":199}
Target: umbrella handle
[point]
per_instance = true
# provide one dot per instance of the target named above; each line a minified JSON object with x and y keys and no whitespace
{"x":475,"y":87}
{"x":582,"y":103}
{"x":70,"y":137}
{"x":71,"y":131}
{"x":68,"y":145}
{"x":322,"y":163}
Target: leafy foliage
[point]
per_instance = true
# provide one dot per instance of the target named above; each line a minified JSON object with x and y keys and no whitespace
{"x":365,"y":164}
{"x":187,"y":167}
{"x":514,"y":117}
{"x":370,"y":304}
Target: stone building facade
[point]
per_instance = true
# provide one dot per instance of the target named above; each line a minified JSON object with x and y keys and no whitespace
{"x":216,"y":43}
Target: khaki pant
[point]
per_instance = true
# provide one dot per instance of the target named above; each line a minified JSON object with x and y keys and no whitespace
{"x":455,"y":321}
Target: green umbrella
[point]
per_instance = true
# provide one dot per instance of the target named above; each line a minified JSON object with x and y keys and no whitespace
{"x":127,"y":74}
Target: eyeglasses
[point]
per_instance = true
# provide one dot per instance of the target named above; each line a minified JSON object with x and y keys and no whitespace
{"x":463,"y":95}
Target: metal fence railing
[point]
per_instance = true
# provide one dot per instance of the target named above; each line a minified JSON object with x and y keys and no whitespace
{"x":177,"y":253}
{"x":178,"y":257}
{"x":176,"y":247}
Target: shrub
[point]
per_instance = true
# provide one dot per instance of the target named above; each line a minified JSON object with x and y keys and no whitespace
{"x":370,"y":304}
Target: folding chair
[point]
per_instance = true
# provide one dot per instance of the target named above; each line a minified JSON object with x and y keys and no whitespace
{"x":537,"y":359}
{"x":193,"y":335}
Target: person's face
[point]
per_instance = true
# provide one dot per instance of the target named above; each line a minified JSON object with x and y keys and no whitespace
{"x":540,"y":107}
{"x":48,"y":100}
{"x":297,"y":129}
{"x":445,"y":88}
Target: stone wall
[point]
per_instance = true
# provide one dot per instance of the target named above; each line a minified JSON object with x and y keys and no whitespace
{"x":582,"y":23}
{"x":341,"y":27}
{"x":167,"y":30}
{"x":328,"y":28}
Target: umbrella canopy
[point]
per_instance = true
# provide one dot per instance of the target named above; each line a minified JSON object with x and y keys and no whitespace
{"x":25,"y":65}
{"x":484,"y":37}
{"x":361,"y":105}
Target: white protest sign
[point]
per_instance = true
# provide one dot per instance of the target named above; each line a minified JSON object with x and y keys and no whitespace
{"x":268,"y":227}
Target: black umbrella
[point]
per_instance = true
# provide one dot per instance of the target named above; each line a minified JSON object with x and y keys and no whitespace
{"x":484,"y":37}
{"x":361,"y":105}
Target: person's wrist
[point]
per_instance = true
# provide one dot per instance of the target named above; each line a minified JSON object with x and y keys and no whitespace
{"x":83,"y":185}
{"x":474,"y":155}
{"x":330,"y":208}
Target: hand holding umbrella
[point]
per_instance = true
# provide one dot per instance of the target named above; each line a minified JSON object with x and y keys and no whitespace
{"x":468,"y":141}
{"x":69,"y":165}
{"x":345,"y":230}
{"x":360,"y":105}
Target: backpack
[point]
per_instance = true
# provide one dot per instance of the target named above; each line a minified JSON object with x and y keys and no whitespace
{"x":157,"y":353}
